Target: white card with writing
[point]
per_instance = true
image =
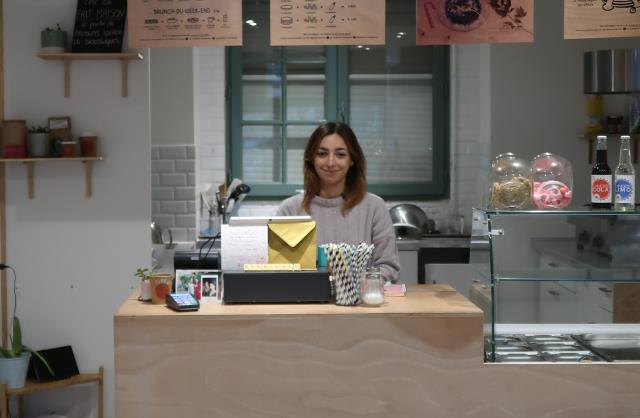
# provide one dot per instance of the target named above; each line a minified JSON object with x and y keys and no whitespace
{"x":244,"y":245}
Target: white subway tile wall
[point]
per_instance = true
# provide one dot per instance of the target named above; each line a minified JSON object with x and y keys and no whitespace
{"x":173,"y":190}
{"x":470,"y":134}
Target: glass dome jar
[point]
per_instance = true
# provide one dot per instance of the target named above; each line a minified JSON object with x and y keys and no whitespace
{"x":552,"y":178}
{"x":372,"y":287}
{"x":510,"y":183}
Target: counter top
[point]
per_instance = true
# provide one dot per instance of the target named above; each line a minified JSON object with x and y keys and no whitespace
{"x":421,"y":300}
{"x":434,"y":241}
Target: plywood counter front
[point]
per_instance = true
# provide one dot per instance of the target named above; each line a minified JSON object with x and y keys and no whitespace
{"x":417,"y":356}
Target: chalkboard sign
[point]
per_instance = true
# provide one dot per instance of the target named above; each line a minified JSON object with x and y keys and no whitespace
{"x":99,"y":26}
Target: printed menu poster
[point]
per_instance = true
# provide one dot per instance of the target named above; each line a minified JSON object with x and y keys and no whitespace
{"x":175,"y":23}
{"x":442,"y":22}
{"x":327,"y":22}
{"x":601,"y":18}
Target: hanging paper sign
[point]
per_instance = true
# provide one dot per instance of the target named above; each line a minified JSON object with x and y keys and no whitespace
{"x":327,"y":22}
{"x":601,"y":18}
{"x":174,"y":23}
{"x":441,"y":22}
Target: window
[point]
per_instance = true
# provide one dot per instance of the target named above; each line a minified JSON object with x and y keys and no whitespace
{"x":393,"y":96}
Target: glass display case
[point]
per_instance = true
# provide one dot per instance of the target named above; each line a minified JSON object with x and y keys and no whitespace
{"x":559,"y":285}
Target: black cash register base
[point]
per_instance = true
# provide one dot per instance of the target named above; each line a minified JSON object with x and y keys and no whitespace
{"x":276,"y":287}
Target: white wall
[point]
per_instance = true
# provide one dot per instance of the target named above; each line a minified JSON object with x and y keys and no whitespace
{"x":74,"y":256}
{"x":172,"y":92}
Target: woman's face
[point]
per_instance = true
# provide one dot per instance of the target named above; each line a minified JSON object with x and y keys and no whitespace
{"x":332,"y":161}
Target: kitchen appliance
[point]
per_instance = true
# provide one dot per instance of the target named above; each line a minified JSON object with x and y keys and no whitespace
{"x":613,"y":347}
{"x":409,"y":221}
{"x":612,"y":71}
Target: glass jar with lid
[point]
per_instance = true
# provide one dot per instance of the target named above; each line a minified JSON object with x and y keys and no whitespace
{"x":552,"y":178}
{"x":510,"y":183}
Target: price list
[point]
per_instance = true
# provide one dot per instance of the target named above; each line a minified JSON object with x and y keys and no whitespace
{"x":178,"y":23}
{"x":327,"y":22}
{"x":601,"y":18}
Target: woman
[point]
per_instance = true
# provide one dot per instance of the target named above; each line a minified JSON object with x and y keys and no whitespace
{"x":336,"y":198}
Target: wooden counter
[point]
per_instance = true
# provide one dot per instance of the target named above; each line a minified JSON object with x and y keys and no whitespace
{"x":417,"y":356}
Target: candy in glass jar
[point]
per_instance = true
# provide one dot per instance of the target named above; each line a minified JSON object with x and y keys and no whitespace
{"x":510,"y":184}
{"x":552,"y":178}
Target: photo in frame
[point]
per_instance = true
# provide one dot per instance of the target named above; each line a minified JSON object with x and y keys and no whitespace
{"x":60,"y":127}
{"x":194,"y":282}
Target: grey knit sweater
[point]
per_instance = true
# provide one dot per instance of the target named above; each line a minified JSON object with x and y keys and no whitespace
{"x":368,"y":221}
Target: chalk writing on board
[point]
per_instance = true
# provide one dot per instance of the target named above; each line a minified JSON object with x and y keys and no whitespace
{"x":99,"y":26}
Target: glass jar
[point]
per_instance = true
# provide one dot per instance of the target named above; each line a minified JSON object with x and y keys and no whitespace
{"x":552,"y":178}
{"x":510,"y":184}
{"x":372,"y":287}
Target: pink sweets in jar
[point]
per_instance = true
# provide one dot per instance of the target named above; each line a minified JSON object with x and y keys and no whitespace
{"x":552,"y":178}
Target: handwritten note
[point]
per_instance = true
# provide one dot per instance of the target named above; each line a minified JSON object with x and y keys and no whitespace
{"x":99,"y":26}
{"x":244,"y":245}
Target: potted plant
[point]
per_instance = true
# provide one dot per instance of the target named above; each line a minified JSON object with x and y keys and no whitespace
{"x":38,"y":141}
{"x":145,"y":284}
{"x":14,"y":362}
{"x":53,"y":40}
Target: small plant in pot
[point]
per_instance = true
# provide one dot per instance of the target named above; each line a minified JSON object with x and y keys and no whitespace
{"x":14,"y":361}
{"x":38,"y":141}
{"x":53,"y":40}
{"x":145,"y":284}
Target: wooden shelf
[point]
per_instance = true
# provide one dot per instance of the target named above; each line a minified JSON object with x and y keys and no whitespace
{"x":30,"y":163}
{"x":67,"y":57}
{"x":32,"y":387}
{"x":592,"y":140}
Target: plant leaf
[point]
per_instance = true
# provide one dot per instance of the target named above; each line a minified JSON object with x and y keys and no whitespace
{"x":16,"y":340}
{"x":5,"y":353}
{"x":35,"y":353}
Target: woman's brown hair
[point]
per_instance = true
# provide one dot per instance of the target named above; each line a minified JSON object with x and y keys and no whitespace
{"x":356,"y":182}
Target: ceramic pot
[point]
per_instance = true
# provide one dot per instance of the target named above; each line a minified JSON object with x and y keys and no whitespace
{"x":53,"y":41}
{"x":38,"y":144}
{"x":13,"y":371}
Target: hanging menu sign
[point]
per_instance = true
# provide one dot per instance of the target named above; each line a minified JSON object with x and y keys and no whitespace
{"x":176,"y":23}
{"x":99,"y":26}
{"x":601,"y":18}
{"x":327,"y":22}
{"x":442,"y":22}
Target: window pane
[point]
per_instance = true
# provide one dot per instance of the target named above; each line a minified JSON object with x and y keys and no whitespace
{"x":297,"y":137}
{"x":261,"y":154}
{"x":391,"y":101}
{"x":261,"y":92}
{"x":305,"y":91}
{"x":306,"y":53}
{"x":256,"y":37}
{"x":393,"y":123}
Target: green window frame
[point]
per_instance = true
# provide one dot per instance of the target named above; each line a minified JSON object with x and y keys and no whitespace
{"x":336,"y":108}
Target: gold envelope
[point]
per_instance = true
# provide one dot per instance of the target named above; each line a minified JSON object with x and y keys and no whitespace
{"x":293,"y":243}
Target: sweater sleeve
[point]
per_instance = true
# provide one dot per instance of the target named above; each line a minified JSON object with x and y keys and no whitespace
{"x":383,"y":237}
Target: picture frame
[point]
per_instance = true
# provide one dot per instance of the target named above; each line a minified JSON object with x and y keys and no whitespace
{"x":60,"y":127}
{"x":194,"y":282}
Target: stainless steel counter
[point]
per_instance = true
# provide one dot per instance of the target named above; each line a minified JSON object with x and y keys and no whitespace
{"x":434,"y":241}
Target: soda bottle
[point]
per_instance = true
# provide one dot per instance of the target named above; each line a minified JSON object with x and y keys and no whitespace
{"x":601,"y":177}
{"x":625,"y":177}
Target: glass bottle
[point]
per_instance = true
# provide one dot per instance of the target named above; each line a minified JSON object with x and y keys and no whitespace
{"x":601,"y":177}
{"x":625,"y":177}
{"x":552,"y":178}
{"x":372,"y":287}
{"x":510,"y":184}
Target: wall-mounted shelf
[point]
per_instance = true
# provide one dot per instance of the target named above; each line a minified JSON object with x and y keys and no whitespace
{"x":66,"y":57}
{"x":30,"y":162}
{"x":592,"y":141}
{"x":32,"y":387}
